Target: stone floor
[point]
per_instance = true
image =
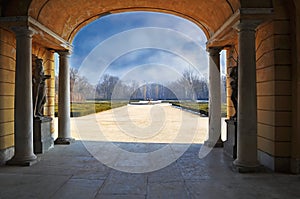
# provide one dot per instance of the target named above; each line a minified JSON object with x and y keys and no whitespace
{"x":71,"y":172}
{"x":75,"y":172}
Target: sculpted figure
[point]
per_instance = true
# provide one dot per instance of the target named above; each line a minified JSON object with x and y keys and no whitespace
{"x":39,"y":88}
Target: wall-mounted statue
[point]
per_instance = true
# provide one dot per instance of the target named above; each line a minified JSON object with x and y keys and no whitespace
{"x":39,"y":88}
{"x":234,"y":87}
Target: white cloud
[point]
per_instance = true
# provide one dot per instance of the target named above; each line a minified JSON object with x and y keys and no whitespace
{"x":174,"y":42}
{"x":151,"y":73}
{"x":174,"y":22}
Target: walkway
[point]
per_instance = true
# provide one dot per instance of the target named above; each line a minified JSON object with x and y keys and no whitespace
{"x":73,"y":172}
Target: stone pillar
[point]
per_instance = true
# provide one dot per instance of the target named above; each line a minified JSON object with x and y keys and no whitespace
{"x":214,"y":133}
{"x":23,"y":114}
{"x":64,"y":134}
{"x":247,"y":102}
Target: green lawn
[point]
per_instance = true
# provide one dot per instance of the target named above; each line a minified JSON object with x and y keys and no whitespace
{"x":79,"y":109}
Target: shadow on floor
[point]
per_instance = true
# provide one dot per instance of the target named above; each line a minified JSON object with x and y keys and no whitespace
{"x":72,"y":172}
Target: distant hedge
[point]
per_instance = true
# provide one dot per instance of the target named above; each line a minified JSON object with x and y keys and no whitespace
{"x":199,"y":107}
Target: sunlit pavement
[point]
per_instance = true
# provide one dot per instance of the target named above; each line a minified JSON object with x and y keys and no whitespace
{"x":75,"y":171}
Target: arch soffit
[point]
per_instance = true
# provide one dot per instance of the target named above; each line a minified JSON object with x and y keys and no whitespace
{"x":67,"y":17}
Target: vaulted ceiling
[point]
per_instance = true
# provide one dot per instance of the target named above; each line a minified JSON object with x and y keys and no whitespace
{"x":67,"y":17}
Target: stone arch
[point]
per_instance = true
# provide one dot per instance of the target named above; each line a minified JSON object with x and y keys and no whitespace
{"x":204,"y":27}
{"x":208,"y":15}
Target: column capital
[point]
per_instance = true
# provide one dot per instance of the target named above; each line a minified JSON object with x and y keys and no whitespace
{"x":247,"y":25}
{"x":23,"y":31}
{"x":214,"y":51}
{"x":64,"y":52}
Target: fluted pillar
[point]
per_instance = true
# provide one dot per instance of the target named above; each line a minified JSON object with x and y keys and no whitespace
{"x":64,"y":134}
{"x":23,"y":113}
{"x":214,"y":133}
{"x":247,"y":102}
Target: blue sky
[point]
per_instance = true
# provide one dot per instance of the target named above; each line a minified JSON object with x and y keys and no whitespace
{"x":140,"y":46}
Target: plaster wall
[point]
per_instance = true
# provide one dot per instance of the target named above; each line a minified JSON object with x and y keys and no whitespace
{"x":274,"y":93}
{"x":7,"y":87}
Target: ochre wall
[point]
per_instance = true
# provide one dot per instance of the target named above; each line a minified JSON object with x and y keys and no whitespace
{"x":274,"y":92}
{"x":7,"y":87}
{"x":231,"y":57}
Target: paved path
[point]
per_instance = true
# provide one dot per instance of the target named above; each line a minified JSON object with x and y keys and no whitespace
{"x":140,"y":138}
{"x":160,"y":123}
{"x":74,"y":172}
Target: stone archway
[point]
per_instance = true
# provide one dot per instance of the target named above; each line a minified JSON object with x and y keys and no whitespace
{"x":55,"y":23}
{"x":208,"y":15}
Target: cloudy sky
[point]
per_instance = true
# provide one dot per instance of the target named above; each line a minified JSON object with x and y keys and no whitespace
{"x":140,"y":46}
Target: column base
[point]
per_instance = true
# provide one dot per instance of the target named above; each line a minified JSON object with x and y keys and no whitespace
{"x":64,"y":141}
{"x":211,"y":144}
{"x":22,"y":162}
{"x":219,"y":144}
{"x":246,"y":167}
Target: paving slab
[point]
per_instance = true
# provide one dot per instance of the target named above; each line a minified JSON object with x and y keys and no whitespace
{"x":119,"y":183}
{"x":79,"y":188}
{"x":115,"y":196}
{"x":174,"y":190}
{"x":26,"y":186}
{"x":168,"y":174}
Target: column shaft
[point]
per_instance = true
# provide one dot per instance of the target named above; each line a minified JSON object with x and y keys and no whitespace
{"x":247,"y":101}
{"x":64,"y":134}
{"x":23,"y":99}
{"x":214,"y":134}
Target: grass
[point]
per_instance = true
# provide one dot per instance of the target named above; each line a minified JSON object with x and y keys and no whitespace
{"x":201,"y":107}
{"x":79,"y":109}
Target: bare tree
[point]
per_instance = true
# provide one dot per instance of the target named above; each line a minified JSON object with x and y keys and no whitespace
{"x":106,"y":86}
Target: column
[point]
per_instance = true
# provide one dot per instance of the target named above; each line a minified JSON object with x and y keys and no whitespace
{"x":23,"y":114}
{"x":214,"y":133}
{"x":64,"y":134}
{"x":247,"y":102}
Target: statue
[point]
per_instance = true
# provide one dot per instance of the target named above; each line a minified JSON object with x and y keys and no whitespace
{"x":234,"y":87}
{"x":39,"y":88}
{"x":42,"y":139}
